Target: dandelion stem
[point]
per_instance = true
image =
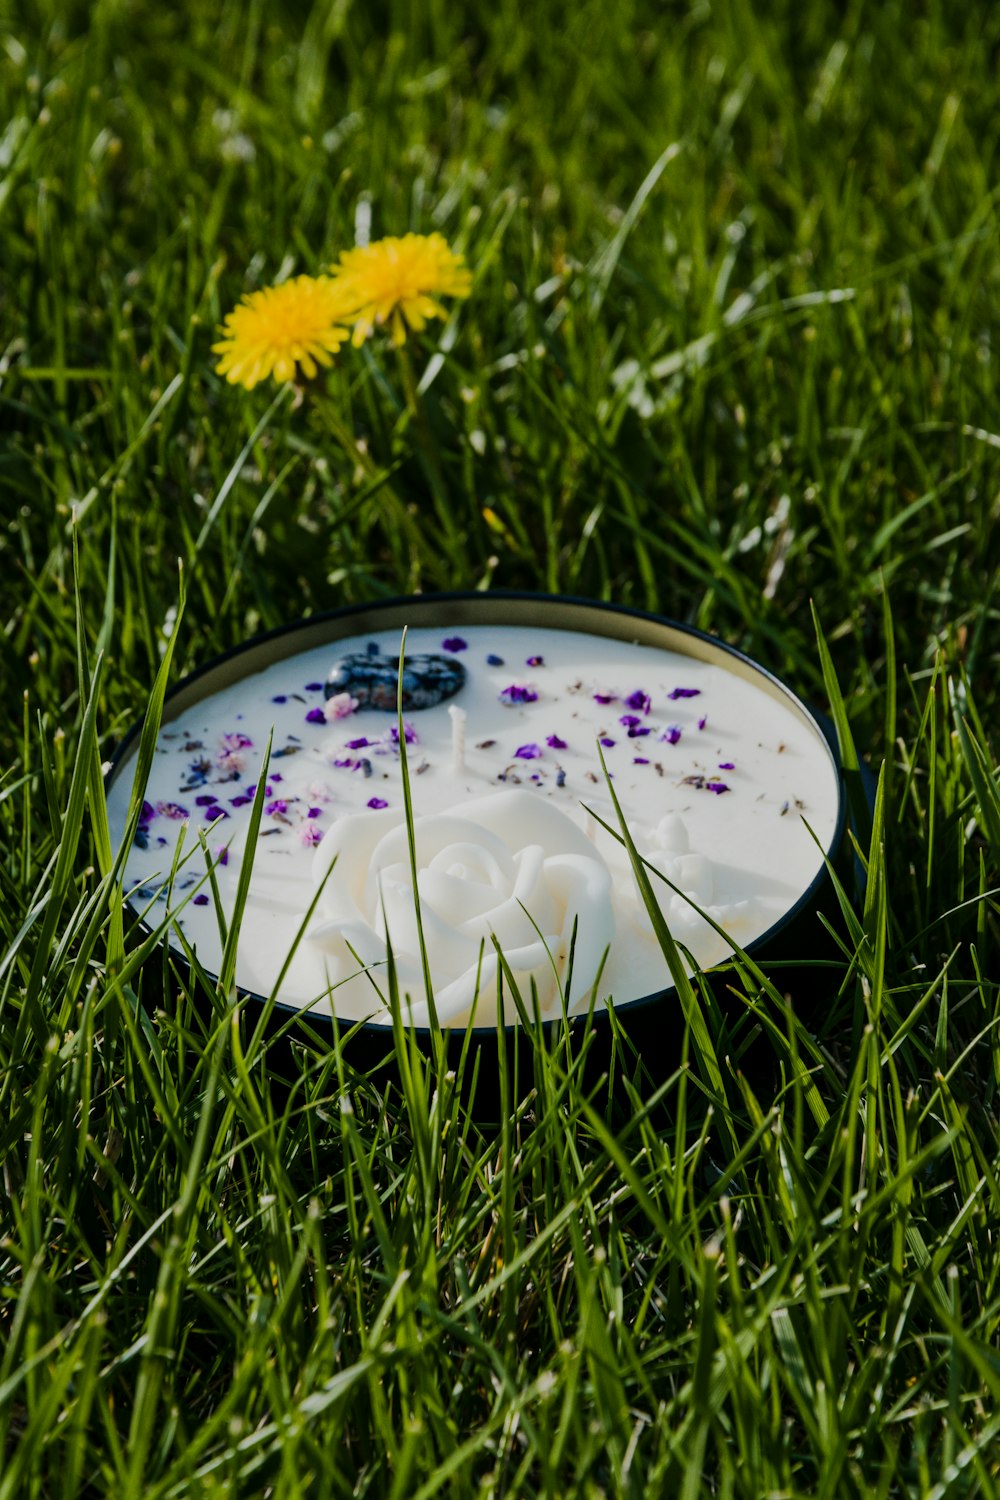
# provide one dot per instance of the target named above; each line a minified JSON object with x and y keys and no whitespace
{"x":425,"y":442}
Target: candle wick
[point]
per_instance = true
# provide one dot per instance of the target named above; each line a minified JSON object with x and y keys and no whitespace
{"x":457,"y":716}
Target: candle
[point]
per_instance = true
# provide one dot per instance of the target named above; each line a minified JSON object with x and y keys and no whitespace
{"x":458,"y":717}
{"x":717,"y":769}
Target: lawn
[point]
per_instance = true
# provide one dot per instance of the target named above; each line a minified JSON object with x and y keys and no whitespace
{"x":730,"y":355}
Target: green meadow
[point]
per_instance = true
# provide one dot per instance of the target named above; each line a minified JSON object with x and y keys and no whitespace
{"x":731,"y":355}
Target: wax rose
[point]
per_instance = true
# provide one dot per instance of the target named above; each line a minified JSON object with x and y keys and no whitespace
{"x":667,"y":847}
{"x":508,"y":865}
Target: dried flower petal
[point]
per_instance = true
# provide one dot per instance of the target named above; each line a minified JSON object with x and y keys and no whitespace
{"x":172,"y":810}
{"x":516,"y":693}
{"x":339,"y":706}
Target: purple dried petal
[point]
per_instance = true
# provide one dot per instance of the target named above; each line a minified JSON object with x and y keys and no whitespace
{"x":727,"y":765}
{"x":638,"y":731}
{"x":517,"y":693}
{"x":409,"y":734}
{"x":345,"y":763}
{"x":535,"y":661}
{"x":200,"y":900}
{"x":639,"y":700}
{"x":676,"y":693}
{"x":640,"y":760}
{"x":172,"y":810}
{"x":377,"y":802}
{"x":279,"y":698}
{"x":205,"y":800}
{"x":716,"y":786}
{"x":358,"y":744}
{"x":147,"y":812}
{"x":454,"y":643}
{"x":215,"y":811}
{"x":222,"y":855}
{"x":314,"y":812}
{"x":607,"y":742}
{"x":276,"y":808}
{"x":241,"y":801}
{"x":629,"y":720}
{"x":555,"y":743}
{"x":528,"y":752}
{"x":604,"y":697}
{"x":671,"y":735}
{"x":237,"y":741}
{"x":314,"y":687}
{"x":703,"y":721}
{"x":494,"y":661}
{"x":310,"y":836}
{"x":315,"y":716}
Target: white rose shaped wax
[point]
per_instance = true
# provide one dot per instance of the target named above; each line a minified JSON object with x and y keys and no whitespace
{"x":507,"y":866}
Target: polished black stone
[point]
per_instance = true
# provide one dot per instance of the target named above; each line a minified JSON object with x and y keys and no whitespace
{"x":373,"y":680}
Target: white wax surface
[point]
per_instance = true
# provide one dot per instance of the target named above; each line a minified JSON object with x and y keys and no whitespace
{"x":744,"y":854}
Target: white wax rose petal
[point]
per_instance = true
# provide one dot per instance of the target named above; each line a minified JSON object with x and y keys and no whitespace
{"x":672,"y":834}
{"x":507,"y":920}
{"x":583,"y":887}
{"x":395,"y":916}
{"x":437,"y":834}
{"x":349,"y":845}
{"x":445,"y":893}
{"x":694,"y":876}
{"x":496,"y":868}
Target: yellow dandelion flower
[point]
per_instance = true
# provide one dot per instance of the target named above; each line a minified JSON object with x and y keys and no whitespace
{"x":397,"y":281}
{"x":299,"y":324}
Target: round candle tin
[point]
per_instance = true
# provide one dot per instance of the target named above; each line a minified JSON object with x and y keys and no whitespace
{"x":734,"y":782}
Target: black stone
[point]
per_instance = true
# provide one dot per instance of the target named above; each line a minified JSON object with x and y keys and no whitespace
{"x":373,"y":681}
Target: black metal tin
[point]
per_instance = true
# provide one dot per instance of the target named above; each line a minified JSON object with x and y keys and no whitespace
{"x":651,"y":1022}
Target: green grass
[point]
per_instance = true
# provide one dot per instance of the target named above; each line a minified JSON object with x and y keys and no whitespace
{"x":732,"y":348}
